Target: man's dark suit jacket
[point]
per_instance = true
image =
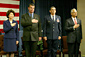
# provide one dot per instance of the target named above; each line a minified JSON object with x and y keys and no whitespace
{"x":52,"y":29}
{"x":31,"y":31}
{"x":10,"y":32}
{"x":73,"y":34}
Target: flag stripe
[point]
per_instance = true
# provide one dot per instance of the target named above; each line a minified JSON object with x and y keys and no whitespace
{"x":1,"y":22}
{"x":5,"y":18}
{"x":16,"y":0}
{"x":4,"y":14}
{"x":1,"y":30}
{"x":10,"y":2}
{"x":6,"y":9}
{"x":6,"y":5}
{"x":9,"y":5}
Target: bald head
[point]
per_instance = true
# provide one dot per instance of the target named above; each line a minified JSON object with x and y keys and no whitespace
{"x":73,"y":12}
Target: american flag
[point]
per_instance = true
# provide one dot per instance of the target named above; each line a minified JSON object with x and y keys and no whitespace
{"x":6,"y":5}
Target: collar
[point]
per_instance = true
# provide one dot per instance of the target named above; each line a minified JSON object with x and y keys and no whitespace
{"x":74,"y":18}
{"x":52,"y":15}
{"x":30,"y":14}
{"x":9,"y":21}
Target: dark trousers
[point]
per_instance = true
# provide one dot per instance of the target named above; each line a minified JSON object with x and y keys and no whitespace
{"x":52,"y":47}
{"x":73,"y":49}
{"x":30,"y":48}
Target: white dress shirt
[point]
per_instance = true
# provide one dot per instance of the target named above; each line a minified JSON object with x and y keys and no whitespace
{"x":75,"y":19}
{"x":10,"y":21}
{"x":52,"y":17}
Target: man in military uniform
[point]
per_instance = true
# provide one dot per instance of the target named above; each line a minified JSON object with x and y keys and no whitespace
{"x":52,"y":31}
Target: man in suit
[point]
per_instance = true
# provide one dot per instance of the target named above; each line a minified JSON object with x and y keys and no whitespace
{"x":74,"y":33}
{"x":52,"y":31}
{"x":31,"y":31}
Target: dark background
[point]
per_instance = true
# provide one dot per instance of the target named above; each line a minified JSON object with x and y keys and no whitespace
{"x":63,"y":8}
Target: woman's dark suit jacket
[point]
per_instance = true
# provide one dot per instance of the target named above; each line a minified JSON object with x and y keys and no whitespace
{"x":10,"y":32}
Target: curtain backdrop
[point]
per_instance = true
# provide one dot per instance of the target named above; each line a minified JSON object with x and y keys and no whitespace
{"x":63,"y":8}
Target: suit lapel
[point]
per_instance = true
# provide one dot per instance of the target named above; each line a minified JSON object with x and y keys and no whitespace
{"x":72,"y":21}
{"x":13,"y":21}
{"x":8,"y":22}
{"x":78,"y":21}
{"x":34,"y":16}
{"x":29,"y":17}
{"x":50,"y":18}
{"x":27,"y":14}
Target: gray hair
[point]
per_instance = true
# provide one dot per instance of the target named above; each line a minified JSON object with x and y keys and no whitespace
{"x":73,"y":9}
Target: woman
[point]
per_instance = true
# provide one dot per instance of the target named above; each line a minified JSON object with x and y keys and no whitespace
{"x":10,"y":28}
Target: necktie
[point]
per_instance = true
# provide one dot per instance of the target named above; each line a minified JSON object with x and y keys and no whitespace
{"x":31,"y":15}
{"x":75,"y":21}
{"x":53,"y":18}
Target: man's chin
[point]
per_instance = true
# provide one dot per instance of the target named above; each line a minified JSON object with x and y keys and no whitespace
{"x":32,"y":12}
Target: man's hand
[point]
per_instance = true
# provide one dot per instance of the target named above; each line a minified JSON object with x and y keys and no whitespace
{"x":13,"y":24}
{"x":40,"y":38}
{"x":76,"y":26}
{"x":17,"y":42}
{"x":34,"y":21}
{"x":59,"y":37}
{"x":45,"y":38}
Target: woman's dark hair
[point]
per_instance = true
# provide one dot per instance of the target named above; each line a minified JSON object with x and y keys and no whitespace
{"x":8,"y":12}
